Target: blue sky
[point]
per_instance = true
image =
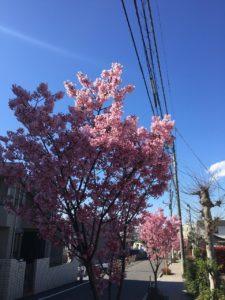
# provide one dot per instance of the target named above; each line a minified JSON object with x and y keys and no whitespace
{"x":49,"y":41}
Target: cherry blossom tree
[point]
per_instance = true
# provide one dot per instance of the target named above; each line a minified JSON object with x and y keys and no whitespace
{"x":159,"y":233}
{"x":89,"y":170}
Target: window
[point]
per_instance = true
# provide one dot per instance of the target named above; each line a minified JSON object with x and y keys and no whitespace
{"x":3,"y":191}
{"x":17,"y":194}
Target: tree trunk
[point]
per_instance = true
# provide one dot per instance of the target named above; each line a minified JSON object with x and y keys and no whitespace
{"x":123,"y":263}
{"x":110,"y":291}
{"x":123,"y":267}
{"x":208,"y":228}
{"x":155,"y":271}
{"x":155,"y":278}
{"x":92,"y":281}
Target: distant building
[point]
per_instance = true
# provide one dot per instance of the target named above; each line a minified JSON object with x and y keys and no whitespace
{"x":139,"y":245}
{"x":219,"y":231}
{"x":28,"y":264}
{"x":186,"y":230}
{"x":219,"y":234}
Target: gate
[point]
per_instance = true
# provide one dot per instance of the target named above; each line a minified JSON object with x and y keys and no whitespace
{"x":29,"y":279}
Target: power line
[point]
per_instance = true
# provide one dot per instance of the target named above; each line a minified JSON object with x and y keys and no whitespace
{"x":157,"y":55}
{"x":197,"y":157}
{"x":164,"y":96}
{"x":175,"y":179}
{"x":195,"y":214}
{"x":190,"y":148}
{"x":163,"y":47}
{"x":138,"y":57}
{"x":194,"y":209}
{"x":149,"y":42}
{"x":145,"y":51}
{"x":152,"y":81}
{"x":160,"y":73}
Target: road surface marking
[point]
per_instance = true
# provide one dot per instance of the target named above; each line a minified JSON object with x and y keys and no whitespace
{"x":61,"y":292}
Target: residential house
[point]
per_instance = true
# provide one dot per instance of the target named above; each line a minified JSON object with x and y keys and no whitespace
{"x":28,"y":264}
{"x":219,"y":231}
{"x":219,"y":235}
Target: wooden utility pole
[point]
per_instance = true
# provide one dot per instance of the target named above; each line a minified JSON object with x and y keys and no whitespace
{"x":176,"y":184}
{"x":190,"y":230}
{"x":189,"y":216}
{"x":171,"y":203}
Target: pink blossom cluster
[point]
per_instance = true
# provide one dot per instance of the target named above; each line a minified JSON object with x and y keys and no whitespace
{"x":87,"y":167}
{"x":159,"y":234}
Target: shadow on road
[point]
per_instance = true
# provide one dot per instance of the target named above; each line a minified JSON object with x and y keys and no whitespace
{"x":172,"y":290}
{"x":132,"y":290}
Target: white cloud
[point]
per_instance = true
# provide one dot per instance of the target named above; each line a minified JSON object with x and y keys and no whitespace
{"x":217,"y":170}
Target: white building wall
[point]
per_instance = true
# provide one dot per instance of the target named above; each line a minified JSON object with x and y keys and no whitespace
{"x":50,"y":277}
{"x":221,"y":230}
{"x":12,"y":274}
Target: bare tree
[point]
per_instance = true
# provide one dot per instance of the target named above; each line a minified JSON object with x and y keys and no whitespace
{"x":202,"y":190}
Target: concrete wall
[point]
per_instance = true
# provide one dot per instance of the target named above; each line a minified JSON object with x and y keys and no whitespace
{"x":50,"y":277}
{"x":11,"y":278}
{"x":12,"y":274}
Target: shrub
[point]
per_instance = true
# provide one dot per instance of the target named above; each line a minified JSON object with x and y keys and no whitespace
{"x":202,"y":274}
{"x":216,"y":294}
{"x":190,"y":274}
{"x":197,"y":279}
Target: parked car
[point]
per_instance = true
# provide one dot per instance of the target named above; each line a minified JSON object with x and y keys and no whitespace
{"x":140,"y":254}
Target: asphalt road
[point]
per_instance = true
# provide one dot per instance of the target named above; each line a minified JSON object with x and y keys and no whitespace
{"x":135,"y":286}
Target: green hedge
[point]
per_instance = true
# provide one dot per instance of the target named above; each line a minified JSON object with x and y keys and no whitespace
{"x":196,"y":276}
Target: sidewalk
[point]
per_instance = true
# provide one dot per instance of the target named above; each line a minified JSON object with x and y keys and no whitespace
{"x":172,"y":286}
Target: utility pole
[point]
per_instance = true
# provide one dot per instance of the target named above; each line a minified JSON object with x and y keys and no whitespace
{"x":191,"y":234}
{"x":171,"y":203}
{"x":189,"y":216}
{"x":176,"y":184}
